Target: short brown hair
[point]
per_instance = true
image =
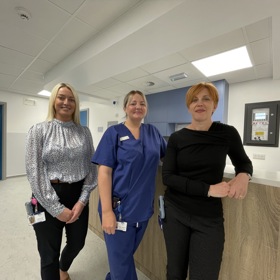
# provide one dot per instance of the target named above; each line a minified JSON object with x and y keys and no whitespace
{"x":196,"y":89}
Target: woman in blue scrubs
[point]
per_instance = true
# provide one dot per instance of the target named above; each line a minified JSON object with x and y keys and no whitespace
{"x":128,"y":156}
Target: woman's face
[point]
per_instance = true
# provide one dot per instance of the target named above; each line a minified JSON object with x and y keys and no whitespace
{"x":64,"y":104}
{"x":136,"y":108}
{"x":202,"y":106}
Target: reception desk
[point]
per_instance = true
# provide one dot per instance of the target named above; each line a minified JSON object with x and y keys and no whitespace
{"x":252,"y":227}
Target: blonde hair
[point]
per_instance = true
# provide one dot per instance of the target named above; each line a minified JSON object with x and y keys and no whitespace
{"x":132,"y":93}
{"x":51,"y":111}
{"x":196,"y":89}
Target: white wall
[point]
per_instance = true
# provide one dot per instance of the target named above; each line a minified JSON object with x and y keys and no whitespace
{"x":21,"y":117}
{"x":253,"y":92}
{"x":100,"y":115}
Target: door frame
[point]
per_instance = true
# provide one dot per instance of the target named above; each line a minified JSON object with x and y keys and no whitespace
{"x":3,"y":134}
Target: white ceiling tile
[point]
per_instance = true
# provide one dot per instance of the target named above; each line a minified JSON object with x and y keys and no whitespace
{"x":20,"y":41}
{"x":40,"y":65}
{"x":107,"y":83}
{"x":261,"y":51}
{"x":46,"y":19}
{"x":231,"y":40}
{"x":264,"y":71}
{"x":259,"y":30}
{"x":103,"y":93}
{"x":74,"y":35}
{"x":9,"y":69}
{"x":6,"y":80}
{"x":8,"y":56}
{"x":237,"y":76}
{"x":187,"y":68}
{"x":141,"y":82}
{"x":68,"y":5}
{"x":90,"y":88}
{"x":122,"y":88}
{"x":54,"y":53}
{"x":32,"y":87}
{"x":111,"y":10}
{"x":131,"y":75}
{"x":33,"y":76}
{"x":164,"y":63}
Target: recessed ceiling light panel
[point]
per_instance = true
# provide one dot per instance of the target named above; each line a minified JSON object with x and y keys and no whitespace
{"x":225,"y":62}
{"x":44,"y":93}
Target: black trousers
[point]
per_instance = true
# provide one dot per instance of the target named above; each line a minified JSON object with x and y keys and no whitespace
{"x":49,"y":234}
{"x":192,"y":242}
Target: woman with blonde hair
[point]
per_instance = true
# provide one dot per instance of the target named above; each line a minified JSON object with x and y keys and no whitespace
{"x":61,"y":176}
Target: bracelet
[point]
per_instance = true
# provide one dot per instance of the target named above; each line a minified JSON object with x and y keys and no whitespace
{"x":208,"y":194}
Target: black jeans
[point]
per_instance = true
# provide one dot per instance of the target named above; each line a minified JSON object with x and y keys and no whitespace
{"x":192,"y":242}
{"x":49,"y":234}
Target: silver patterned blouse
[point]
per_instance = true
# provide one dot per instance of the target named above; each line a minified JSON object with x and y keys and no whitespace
{"x":59,"y":150}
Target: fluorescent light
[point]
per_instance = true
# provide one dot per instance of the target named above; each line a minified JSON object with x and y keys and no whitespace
{"x":177,"y":77}
{"x":224,"y":62}
{"x":44,"y":93}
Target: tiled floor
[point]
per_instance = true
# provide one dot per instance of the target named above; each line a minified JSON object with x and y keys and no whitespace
{"x":19,"y":259}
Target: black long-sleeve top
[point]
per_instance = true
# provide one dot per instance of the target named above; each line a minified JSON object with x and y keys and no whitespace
{"x":195,"y":160}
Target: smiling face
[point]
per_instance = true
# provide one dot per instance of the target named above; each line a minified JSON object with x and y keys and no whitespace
{"x":136,"y":108}
{"x":64,"y":104}
{"x":202,"y":106}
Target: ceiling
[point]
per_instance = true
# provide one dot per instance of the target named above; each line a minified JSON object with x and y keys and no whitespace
{"x":105,"y":48}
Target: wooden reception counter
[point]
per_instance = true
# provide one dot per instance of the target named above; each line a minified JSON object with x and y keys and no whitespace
{"x":252,"y":226}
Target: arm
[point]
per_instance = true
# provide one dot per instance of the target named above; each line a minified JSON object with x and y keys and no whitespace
{"x":37,"y":174}
{"x":182,"y":182}
{"x":105,"y":194}
{"x":90,"y":182}
{"x":243,"y":167}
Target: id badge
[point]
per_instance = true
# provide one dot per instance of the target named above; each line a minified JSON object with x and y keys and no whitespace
{"x":121,"y":226}
{"x":36,"y":218}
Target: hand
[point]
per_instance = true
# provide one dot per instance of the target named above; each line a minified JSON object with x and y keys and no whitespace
{"x":239,"y":186}
{"x":219,"y":190}
{"x":76,"y":212}
{"x":109,"y":222}
{"x":65,"y":216}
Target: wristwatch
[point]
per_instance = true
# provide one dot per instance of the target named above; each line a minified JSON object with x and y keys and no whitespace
{"x":250,"y":177}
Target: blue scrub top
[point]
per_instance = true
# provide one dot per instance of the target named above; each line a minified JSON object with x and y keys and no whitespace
{"x":134,"y":163}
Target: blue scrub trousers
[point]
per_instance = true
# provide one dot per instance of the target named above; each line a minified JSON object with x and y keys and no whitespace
{"x":121,"y":247}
